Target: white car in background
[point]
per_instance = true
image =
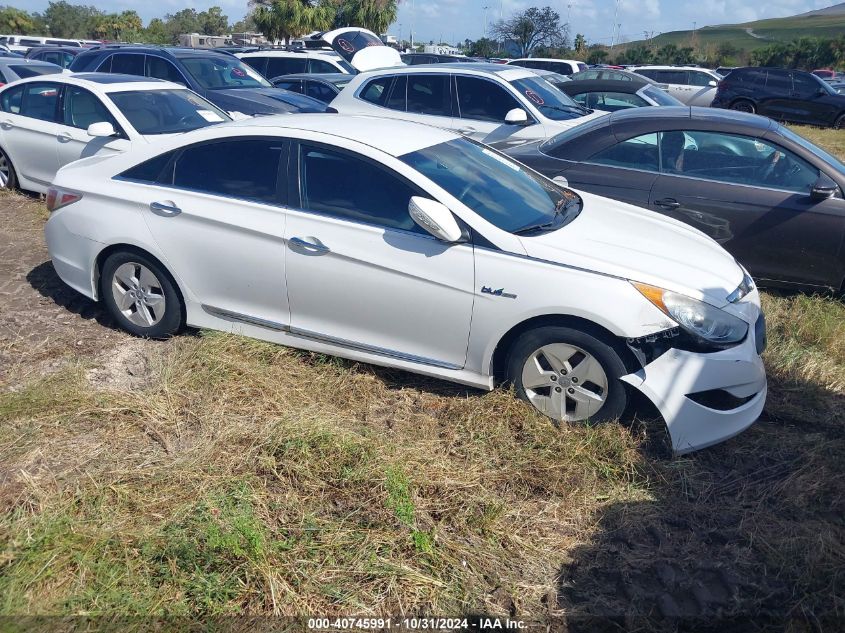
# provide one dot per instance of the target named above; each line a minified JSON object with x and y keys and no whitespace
{"x":691,"y":85}
{"x":496,"y":104}
{"x":272,"y":64}
{"x":560,"y":66}
{"x":411,"y":247}
{"x":49,"y":121}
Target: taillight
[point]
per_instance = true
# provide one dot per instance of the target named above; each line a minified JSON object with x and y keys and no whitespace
{"x":58,"y":198}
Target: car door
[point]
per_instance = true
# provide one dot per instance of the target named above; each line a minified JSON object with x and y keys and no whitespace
{"x":428,"y":98}
{"x":778,"y":102}
{"x":481,"y":107}
{"x":216,"y":211}
{"x":752,"y":196}
{"x":676,"y":84}
{"x":362,"y":274}
{"x":625,"y":171}
{"x":80,"y":108}
{"x":807,"y":102}
{"x":701,"y":92}
{"x":28,"y":122}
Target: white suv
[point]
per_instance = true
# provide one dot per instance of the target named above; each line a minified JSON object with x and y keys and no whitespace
{"x":691,"y":85}
{"x":560,"y":66}
{"x":411,"y":247}
{"x":493,"y":103}
{"x":274,"y":64}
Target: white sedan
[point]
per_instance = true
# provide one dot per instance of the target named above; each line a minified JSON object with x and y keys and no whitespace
{"x":49,"y":121}
{"x":411,"y":247}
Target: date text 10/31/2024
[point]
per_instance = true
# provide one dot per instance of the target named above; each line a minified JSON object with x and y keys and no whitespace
{"x":416,"y":624}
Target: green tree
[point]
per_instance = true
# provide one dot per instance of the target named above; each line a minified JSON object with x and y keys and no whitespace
{"x":484,"y":47}
{"x":184,"y":21}
{"x":14,"y":20}
{"x":287,"y":19}
{"x":71,"y":20}
{"x":580,"y":46}
{"x":531,"y":29}
{"x":213,"y":22}
{"x":375,"y":15}
{"x":636,"y":55}
{"x":156,"y":32}
{"x":597,"y":55}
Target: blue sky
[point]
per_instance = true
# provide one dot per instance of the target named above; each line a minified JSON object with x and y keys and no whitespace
{"x":456,"y":20}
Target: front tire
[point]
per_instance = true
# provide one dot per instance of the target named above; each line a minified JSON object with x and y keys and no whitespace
{"x":839,"y":123}
{"x":140,"y":295}
{"x":8,"y":178}
{"x":744,"y":105}
{"x":568,"y":374}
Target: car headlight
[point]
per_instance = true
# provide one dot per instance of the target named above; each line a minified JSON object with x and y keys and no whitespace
{"x":695,"y":317}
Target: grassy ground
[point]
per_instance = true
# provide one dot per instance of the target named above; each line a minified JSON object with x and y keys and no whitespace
{"x":215,"y":475}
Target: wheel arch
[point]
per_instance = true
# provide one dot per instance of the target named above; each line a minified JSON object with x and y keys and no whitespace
{"x":130,"y":248}
{"x":503,"y":347}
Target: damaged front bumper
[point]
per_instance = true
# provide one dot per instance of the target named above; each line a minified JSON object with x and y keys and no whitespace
{"x":706,"y":398}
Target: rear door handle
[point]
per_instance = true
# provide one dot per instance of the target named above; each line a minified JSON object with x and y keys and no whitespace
{"x":667,"y":203}
{"x":64,"y":137}
{"x":466,"y":131}
{"x":311,"y":246}
{"x":165,"y":210}
{"x":7,"y":125}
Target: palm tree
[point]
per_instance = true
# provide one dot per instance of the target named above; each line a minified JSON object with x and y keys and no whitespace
{"x":287,"y":19}
{"x":375,"y":15}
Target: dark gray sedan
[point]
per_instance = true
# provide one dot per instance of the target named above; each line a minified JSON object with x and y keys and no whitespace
{"x":769,"y":196}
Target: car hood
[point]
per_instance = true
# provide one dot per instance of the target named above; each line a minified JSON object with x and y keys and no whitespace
{"x":363,"y":49}
{"x":624,"y":241}
{"x":252,"y":101}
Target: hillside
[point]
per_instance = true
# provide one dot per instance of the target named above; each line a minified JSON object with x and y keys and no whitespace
{"x":829,"y":22}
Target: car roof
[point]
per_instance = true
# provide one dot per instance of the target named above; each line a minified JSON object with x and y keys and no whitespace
{"x":480,"y":68}
{"x":107,"y":82}
{"x":615,"y":85}
{"x":294,"y":53}
{"x":330,"y":77}
{"x":392,"y":136}
{"x":545,"y":59}
{"x":23,"y":61}
{"x":682,"y":114}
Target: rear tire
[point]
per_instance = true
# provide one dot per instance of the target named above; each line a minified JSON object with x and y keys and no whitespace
{"x":568,"y":374}
{"x":140,"y":295}
{"x":744,"y":105}
{"x":839,"y":123}
{"x":8,"y":178}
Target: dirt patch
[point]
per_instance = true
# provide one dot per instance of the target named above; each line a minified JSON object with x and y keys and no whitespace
{"x":43,"y":322}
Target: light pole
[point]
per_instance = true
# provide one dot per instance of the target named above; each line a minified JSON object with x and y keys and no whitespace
{"x":615,"y":21}
{"x":486,"y":8}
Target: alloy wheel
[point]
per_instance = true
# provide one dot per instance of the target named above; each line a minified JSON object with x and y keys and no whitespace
{"x":138,"y":294}
{"x":565,"y":382}
{"x":5,"y":171}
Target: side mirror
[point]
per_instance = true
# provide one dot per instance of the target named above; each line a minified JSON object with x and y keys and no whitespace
{"x":102,"y":129}
{"x":712,"y":83}
{"x":561,"y":180}
{"x":517,"y":116}
{"x":823,"y":189}
{"x":435,"y":218}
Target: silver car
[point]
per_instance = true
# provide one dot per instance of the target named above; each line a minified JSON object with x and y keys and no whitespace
{"x":691,"y":85}
{"x":14,"y":68}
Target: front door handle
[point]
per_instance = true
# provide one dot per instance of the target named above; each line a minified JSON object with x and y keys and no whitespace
{"x":667,"y":203}
{"x":165,"y":210}
{"x":7,"y":125}
{"x":311,"y":246}
{"x":466,"y":131}
{"x":64,"y":137}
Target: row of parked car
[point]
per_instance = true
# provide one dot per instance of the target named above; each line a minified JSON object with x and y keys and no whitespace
{"x":424,"y":220}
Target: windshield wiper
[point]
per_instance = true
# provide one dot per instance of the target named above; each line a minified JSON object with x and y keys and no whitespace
{"x":562,"y":208}
{"x":570,"y":108}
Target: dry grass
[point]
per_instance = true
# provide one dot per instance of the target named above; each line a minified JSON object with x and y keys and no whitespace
{"x":233,"y":476}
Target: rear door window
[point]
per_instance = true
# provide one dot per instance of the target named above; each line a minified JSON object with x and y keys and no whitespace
{"x":319,"y":66}
{"x":320,"y":91}
{"x":40,"y":101}
{"x":429,"y":95}
{"x":277,"y":66}
{"x":640,"y":152}
{"x":779,"y":83}
{"x":128,"y":64}
{"x":677,"y":77}
{"x":243,"y":168}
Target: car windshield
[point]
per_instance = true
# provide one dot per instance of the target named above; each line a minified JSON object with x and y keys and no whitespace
{"x":551,"y":102}
{"x":815,"y":149}
{"x":215,"y":73}
{"x":166,"y":111}
{"x":500,"y":190}
{"x":661,"y":97}
{"x":33,"y":70}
